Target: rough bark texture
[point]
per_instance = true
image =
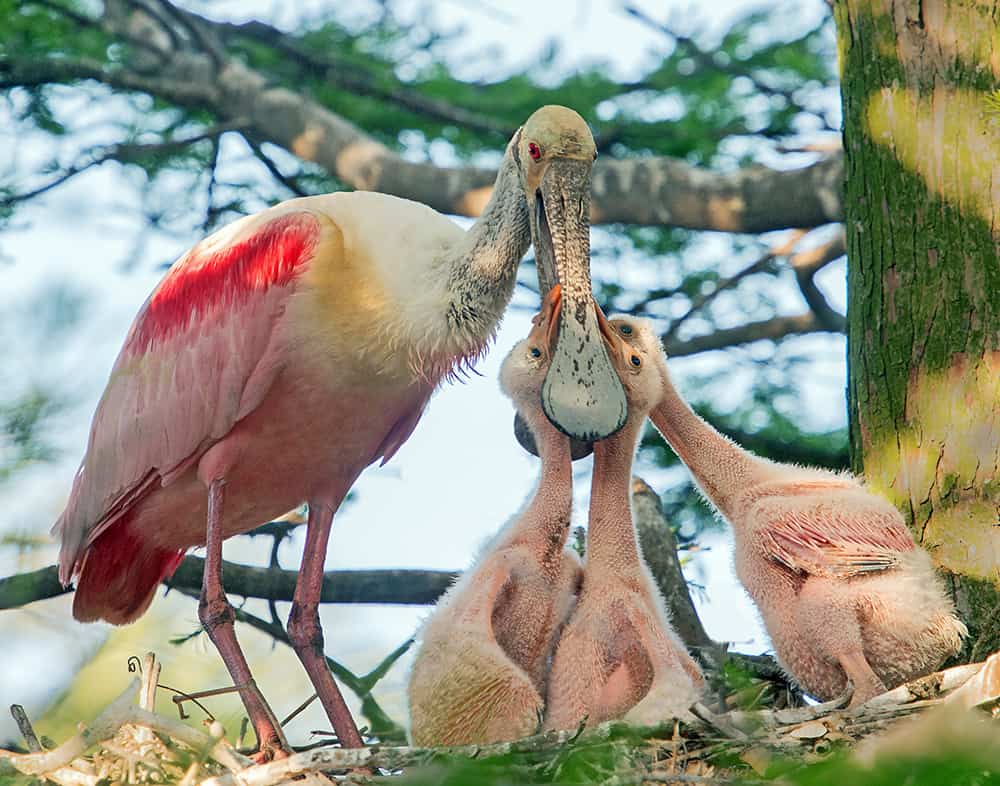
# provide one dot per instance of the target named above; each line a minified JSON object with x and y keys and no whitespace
{"x":922,"y":141}
{"x":659,"y":549}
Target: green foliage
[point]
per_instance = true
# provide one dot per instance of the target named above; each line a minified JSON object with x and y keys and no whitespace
{"x":21,"y":421}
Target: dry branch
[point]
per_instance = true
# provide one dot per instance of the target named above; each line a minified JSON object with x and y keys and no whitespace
{"x":120,"y":712}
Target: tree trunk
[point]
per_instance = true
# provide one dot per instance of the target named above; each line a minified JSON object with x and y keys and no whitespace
{"x":922,"y":142}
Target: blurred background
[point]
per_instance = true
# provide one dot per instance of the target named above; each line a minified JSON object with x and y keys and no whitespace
{"x":104,"y":182}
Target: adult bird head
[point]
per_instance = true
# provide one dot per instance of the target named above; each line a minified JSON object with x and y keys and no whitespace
{"x":555,"y":152}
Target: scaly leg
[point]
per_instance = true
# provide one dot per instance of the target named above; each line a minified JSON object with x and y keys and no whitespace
{"x":304,"y":630}
{"x":216,"y":616}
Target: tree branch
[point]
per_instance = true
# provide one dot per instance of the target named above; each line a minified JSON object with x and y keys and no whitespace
{"x":656,"y":191}
{"x":760,"y":265}
{"x":659,"y":549}
{"x":773,"y":329}
{"x":351,"y":77}
{"x":124,"y":153}
{"x":407,"y":587}
{"x":806,"y":264}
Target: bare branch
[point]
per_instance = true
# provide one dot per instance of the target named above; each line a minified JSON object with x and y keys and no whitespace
{"x":20,"y":72}
{"x":659,"y":549}
{"x":407,"y":587}
{"x":124,"y":152}
{"x":806,"y":264}
{"x":760,"y":265}
{"x":194,"y":26}
{"x":289,"y":182}
{"x":350,"y":76}
{"x":772,"y":329}
{"x":381,"y":724}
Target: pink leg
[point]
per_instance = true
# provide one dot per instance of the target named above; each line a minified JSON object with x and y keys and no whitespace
{"x":304,"y":629}
{"x":866,"y":682}
{"x":829,"y":619}
{"x":217,"y":617}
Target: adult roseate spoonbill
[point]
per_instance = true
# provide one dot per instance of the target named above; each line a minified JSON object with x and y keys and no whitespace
{"x":286,"y":352}
{"x":843,"y":590}
{"x":479,"y":675}
{"x":618,"y":655}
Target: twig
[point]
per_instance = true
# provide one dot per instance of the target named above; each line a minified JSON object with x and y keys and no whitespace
{"x":120,"y":712}
{"x":25,"y":727}
{"x":718,"y":722}
{"x":288,"y":181}
{"x":298,"y":710}
{"x":147,"y":694}
{"x":150,"y":678}
{"x":124,"y":152}
{"x":759,"y":265}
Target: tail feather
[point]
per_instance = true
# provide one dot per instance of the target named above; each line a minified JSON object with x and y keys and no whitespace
{"x":119,"y":575}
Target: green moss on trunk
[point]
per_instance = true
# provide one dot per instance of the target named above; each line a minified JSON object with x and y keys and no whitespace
{"x":922,"y":143}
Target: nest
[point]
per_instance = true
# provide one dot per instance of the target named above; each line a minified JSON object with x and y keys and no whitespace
{"x":128,"y":743}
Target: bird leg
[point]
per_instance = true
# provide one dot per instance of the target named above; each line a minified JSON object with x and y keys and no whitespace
{"x":829,"y":621}
{"x":216,"y":616}
{"x":866,"y":682}
{"x":304,"y":630}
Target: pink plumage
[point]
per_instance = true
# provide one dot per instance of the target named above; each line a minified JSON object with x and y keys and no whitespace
{"x":201,"y":354}
{"x":286,"y":353}
{"x":843,"y":589}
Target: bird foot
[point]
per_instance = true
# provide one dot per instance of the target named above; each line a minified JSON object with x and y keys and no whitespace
{"x":839,"y":701}
{"x":865,"y":693}
{"x":268,"y":754}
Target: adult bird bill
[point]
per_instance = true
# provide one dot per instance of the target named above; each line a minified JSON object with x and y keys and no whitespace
{"x":582,"y":394}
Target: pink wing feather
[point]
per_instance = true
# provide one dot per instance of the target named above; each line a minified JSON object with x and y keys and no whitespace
{"x":829,"y":539}
{"x":201,"y":354}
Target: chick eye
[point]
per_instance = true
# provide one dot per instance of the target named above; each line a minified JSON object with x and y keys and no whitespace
{"x":595,"y":155}
{"x":626,"y":330}
{"x":536,"y":352}
{"x":635,"y":360}
{"x":534,"y":151}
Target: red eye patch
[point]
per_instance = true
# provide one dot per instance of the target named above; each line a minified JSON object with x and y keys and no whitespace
{"x":534,"y":151}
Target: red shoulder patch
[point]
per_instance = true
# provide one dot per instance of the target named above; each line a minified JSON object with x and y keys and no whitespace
{"x":210,"y":281}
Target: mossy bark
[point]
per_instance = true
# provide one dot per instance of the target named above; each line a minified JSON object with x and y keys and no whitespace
{"x":922,"y":205}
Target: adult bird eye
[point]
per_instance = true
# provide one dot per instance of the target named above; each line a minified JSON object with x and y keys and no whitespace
{"x":626,"y":330}
{"x":536,"y":352}
{"x":534,"y":151}
{"x":636,"y":361}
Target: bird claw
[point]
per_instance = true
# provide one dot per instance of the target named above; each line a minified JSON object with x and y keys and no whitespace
{"x":840,"y":701}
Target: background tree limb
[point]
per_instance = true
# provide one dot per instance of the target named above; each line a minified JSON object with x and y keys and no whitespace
{"x":409,"y":587}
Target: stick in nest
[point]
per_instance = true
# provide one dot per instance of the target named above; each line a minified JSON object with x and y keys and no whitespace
{"x":120,"y":712}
